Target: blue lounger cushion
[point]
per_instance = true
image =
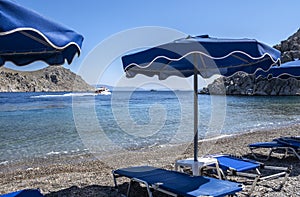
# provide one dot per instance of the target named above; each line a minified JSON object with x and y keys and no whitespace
{"x":180,"y":183}
{"x":278,"y":143}
{"x":227,"y":162}
{"x":289,"y":141}
{"x":273,"y":144}
{"x":24,"y":193}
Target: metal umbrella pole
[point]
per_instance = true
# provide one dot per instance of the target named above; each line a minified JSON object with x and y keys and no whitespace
{"x":195,"y":109}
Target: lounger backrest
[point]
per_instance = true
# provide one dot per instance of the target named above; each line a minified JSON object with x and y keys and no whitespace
{"x":295,"y":143}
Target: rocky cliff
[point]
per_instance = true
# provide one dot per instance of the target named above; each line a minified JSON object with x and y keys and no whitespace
{"x":50,"y":79}
{"x":290,"y":48}
{"x":244,"y":84}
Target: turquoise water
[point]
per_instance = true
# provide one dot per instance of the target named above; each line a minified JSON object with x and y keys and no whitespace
{"x":42,"y":124}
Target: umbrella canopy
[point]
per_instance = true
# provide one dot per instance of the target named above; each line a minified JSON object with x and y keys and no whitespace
{"x":26,"y":36}
{"x":201,"y":55}
{"x":213,"y":56}
{"x":285,"y":71}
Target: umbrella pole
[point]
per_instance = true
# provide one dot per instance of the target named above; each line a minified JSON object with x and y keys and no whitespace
{"x":195,"y":112}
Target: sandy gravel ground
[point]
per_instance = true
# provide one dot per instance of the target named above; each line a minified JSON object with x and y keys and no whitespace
{"x":90,"y":175}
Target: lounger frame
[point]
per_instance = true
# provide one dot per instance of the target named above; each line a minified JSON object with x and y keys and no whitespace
{"x":280,"y":146}
{"x":155,"y":183}
{"x":287,"y":151}
{"x":255,"y":177}
{"x":258,"y":176}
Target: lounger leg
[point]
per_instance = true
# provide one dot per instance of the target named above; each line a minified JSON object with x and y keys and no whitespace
{"x":222,"y":174}
{"x":219,"y":171}
{"x":259,"y":158}
{"x":287,"y":174}
{"x":286,"y":153}
{"x":254,"y":184}
{"x":145,"y":183}
{"x":129,"y":187}
{"x":254,"y":177}
{"x":295,"y":153}
{"x":115,"y":181}
{"x":149,"y":191}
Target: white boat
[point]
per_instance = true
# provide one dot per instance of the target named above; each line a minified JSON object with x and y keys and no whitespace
{"x":103,"y":91}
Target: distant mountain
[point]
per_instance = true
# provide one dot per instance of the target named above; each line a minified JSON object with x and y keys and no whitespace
{"x":49,"y":79}
{"x":290,"y":48}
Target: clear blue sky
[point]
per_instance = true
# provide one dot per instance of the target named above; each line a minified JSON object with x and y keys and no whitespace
{"x":269,"y":21}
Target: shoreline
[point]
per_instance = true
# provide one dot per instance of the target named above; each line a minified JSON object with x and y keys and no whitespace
{"x":90,"y":175}
{"x":60,"y":154}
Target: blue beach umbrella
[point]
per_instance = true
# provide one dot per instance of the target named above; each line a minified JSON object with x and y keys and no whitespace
{"x":26,"y":36}
{"x":285,"y":71}
{"x":201,"y":55}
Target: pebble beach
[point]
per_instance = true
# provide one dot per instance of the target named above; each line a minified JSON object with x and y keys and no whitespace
{"x":90,"y":175}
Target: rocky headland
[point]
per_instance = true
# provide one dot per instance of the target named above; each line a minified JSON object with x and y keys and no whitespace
{"x":290,"y":48}
{"x":244,"y":84}
{"x":49,"y":79}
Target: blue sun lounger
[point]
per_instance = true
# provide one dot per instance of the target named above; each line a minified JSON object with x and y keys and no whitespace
{"x":24,"y":193}
{"x":176,"y":183}
{"x":238,"y":166}
{"x":282,"y":145}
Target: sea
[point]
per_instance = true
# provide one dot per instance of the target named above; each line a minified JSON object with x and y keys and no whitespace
{"x":38,"y":125}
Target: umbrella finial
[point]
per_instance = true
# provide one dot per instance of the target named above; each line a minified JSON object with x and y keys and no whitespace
{"x":203,"y":36}
{"x":188,"y":37}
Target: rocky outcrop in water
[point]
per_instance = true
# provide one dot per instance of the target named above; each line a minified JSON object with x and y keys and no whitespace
{"x":290,"y":48}
{"x":49,"y":79}
{"x":244,"y":84}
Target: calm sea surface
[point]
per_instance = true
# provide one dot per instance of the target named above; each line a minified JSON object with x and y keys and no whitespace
{"x":42,"y":124}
